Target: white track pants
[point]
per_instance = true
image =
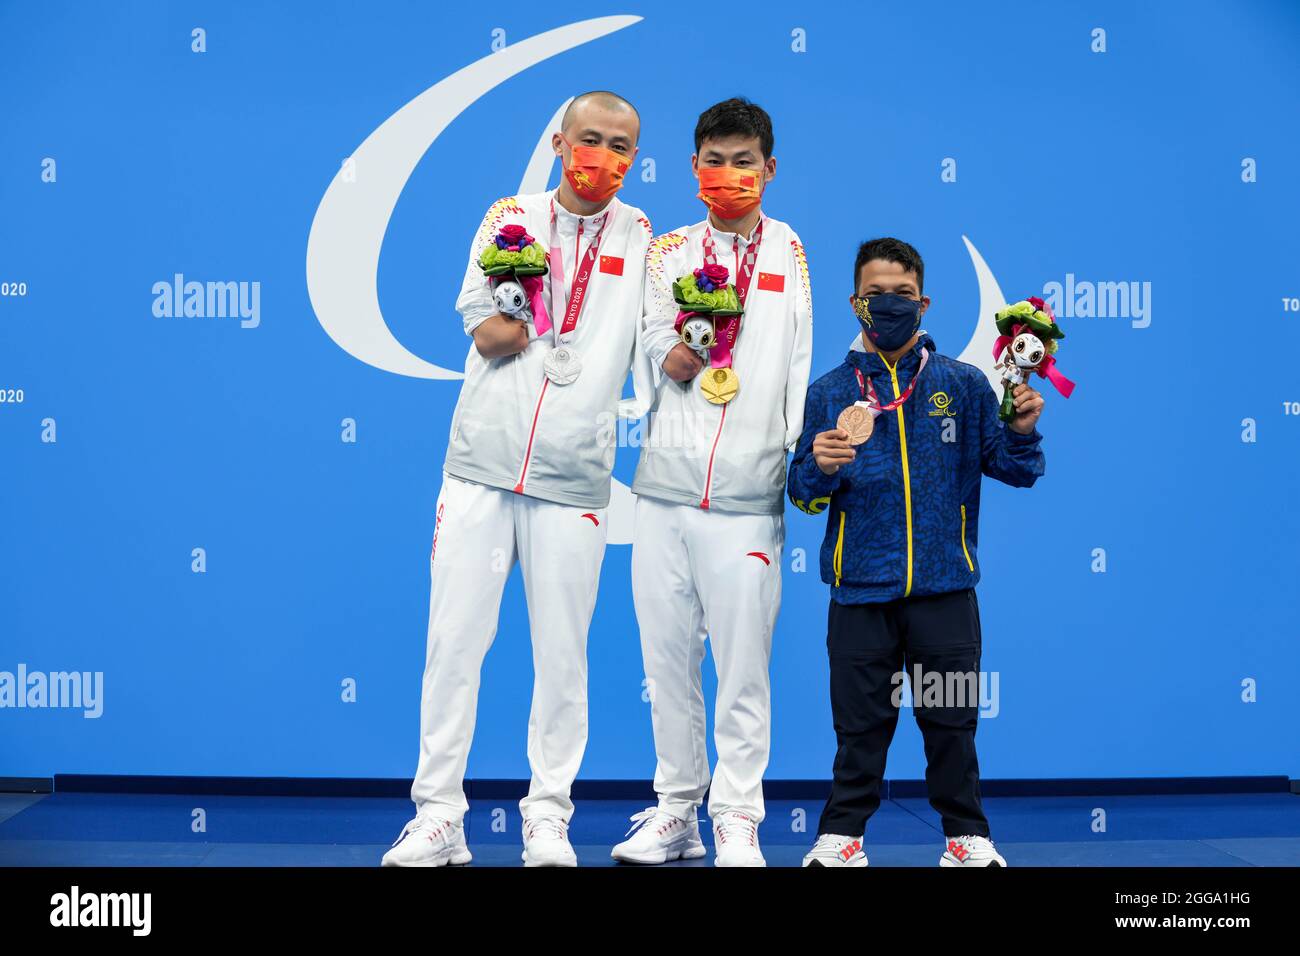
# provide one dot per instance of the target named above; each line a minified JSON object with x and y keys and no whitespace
{"x":698,"y":573}
{"x":479,"y":534}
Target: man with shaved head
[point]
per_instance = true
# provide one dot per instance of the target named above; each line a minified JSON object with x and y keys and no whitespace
{"x":527,"y":476}
{"x":601,"y":100}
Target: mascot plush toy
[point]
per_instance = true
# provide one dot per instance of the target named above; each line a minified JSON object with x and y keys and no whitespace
{"x":1027,"y":341}
{"x":514,"y":263}
{"x":708,"y":321}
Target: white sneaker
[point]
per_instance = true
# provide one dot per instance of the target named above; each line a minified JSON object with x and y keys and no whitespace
{"x":658,"y":836}
{"x":735,"y":839}
{"x":971,"y":851}
{"x":834,"y":850}
{"x":546,"y":842}
{"x":429,"y":841}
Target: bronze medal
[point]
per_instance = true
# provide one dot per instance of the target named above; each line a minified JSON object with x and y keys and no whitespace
{"x":719,"y":385}
{"x":858,"y":421}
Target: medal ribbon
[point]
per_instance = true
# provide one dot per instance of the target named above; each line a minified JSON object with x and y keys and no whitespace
{"x":578,"y":292}
{"x":873,"y":400}
{"x":728,"y":329}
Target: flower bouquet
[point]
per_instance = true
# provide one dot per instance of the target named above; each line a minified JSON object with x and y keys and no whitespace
{"x":1027,"y":343}
{"x":704,"y":297}
{"x":514,"y":262}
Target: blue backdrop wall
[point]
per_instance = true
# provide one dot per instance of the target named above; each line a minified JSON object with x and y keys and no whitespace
{"x":1139,"y":604}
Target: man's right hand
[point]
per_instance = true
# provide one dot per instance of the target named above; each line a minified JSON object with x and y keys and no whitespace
{"x":682,"y":363}
{"x":832,"y":451}
{"x":500,"y":335}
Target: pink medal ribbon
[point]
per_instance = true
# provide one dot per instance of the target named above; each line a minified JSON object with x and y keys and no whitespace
{"x":533,"y":286}
{"x":1046,"y":368}
{"x":728,"y":330}
{"x":872,"y":400}
{"x":578,"y":293}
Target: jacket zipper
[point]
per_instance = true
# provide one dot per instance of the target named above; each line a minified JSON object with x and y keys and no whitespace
{"x":969,"y":563}
{"x":837,"y":561}
{"x":907,"y":477}
{"x":528,"y":452}
{"x":708,"y":477}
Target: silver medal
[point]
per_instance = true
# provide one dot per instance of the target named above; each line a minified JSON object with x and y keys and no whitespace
{"x":563,"y":365}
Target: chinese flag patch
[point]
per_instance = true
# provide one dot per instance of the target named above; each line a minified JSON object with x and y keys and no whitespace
{"x":771,"y":282}
{"x":611,"y":265}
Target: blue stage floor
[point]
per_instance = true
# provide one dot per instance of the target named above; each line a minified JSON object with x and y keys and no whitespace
{"x":85,"y":829}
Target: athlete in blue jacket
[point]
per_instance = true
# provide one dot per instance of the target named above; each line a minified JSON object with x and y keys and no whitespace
{"x":900,"y":550}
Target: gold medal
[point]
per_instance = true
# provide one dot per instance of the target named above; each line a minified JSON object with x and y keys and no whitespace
{"x":858,"y":421}
{"x":719,"y":385}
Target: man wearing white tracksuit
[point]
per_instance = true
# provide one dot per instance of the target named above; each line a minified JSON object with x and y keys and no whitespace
{"x":706,"y":555}
{"x":527,"y":479}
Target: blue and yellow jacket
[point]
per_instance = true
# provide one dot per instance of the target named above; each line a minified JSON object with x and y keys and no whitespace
{"x":904,"y":514}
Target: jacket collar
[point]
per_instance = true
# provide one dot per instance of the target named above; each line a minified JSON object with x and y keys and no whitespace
{"x":872,"y":362}
{"x":570,"y":219}
{"x":720,"y":237}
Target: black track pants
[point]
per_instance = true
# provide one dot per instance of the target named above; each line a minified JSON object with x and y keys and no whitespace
{"x":869,"y":644}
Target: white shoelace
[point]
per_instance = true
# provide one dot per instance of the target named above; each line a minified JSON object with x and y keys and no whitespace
{"x":438,"y":827}
{"x":547,"y":828}
{"x":830,"y":844}
{"x":976,"y":844}
{"x":734,"y":825}
{"x":647,"y":817}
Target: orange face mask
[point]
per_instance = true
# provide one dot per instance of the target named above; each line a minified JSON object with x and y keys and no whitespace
{"x":596,"y":173}
{"x":730,"y":193}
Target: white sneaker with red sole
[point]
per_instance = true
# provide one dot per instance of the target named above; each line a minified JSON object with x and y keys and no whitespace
{"x":658,"y":836}
{"x":971,"y":851}
{"x":735,"y":840}
{"x":831,"y":849}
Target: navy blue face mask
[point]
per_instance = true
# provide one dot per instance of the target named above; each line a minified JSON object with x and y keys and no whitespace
{"x":889,"y":320}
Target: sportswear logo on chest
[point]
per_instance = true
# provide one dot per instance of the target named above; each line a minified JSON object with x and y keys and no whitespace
{"x":942,"y":404}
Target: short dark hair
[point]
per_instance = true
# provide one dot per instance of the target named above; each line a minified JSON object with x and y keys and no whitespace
{"x":890,"y":250}
{"x":735,"y":117}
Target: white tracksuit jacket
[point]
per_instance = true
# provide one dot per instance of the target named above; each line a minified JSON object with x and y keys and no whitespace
{"x":513,"y":428}
{"x":729,"y":457}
